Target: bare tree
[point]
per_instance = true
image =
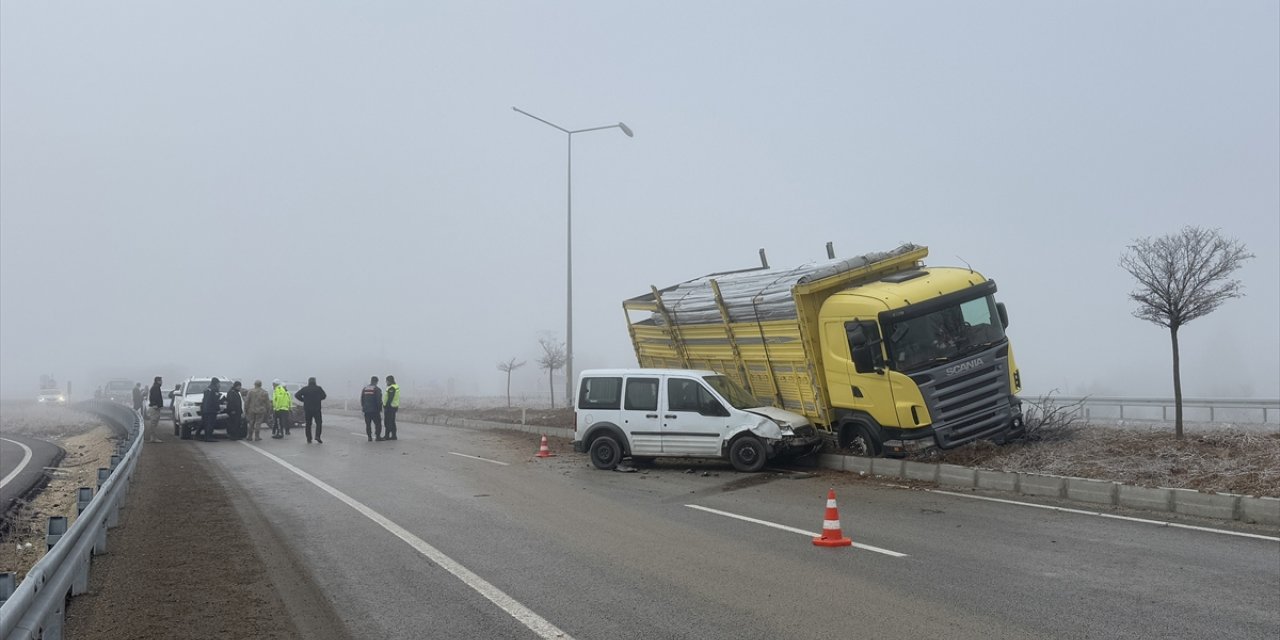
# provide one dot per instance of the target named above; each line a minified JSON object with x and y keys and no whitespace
{"x":1182,"y":277}
{"x":551,"y":360}
{"x":508,"y":367}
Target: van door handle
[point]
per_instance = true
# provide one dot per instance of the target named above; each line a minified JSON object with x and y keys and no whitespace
{"x":650,"y":415}
{"x":670,"y":416}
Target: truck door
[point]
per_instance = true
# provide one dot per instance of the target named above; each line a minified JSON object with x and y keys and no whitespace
{"x":640,"y":416}
{"x":693,"y":420}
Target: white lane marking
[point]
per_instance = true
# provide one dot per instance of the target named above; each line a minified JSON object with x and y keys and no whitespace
{"x":523,"y":614}
{"x":1159,"y":523}
{"x":784,"y":527}
{"x":26,"y":457}
{"x":455,"y":453}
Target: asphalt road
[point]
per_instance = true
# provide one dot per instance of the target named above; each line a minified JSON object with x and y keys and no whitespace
{"x":22,"y":463}
{"x":410,"y":540}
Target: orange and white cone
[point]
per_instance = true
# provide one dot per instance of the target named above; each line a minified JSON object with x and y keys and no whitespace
{"x":831,"y":535}
{"x":544,"y":451}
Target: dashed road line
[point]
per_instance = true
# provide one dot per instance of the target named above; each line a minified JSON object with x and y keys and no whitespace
{"x":783,"y":527}
{"x":455,"y":453}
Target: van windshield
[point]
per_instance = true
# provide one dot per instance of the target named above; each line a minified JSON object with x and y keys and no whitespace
{"x":732,"y":392}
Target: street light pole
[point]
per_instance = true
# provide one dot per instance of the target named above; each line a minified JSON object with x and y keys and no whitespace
{"x":568,"y":338}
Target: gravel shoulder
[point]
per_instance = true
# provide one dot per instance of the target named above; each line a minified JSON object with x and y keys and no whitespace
{"x":193,"y":558}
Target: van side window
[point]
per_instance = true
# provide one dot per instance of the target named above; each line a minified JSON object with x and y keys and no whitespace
{"x":600,"y":393}
{"x":642,"y":394}
{"x":688,"y":395}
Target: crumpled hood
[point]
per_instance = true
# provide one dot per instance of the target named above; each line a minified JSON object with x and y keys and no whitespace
{"x":782,"y":416}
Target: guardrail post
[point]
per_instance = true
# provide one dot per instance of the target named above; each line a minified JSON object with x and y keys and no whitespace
{"x":84,"y":495}
{"x":52,"y":627}
{"x":99,"y":538}
{"x":1122,"y":411}
{"x":113,"y":511}
{"x":57,"y":526}
{"x":8,"y":583}
{"x":103,"y":474}
{"x":115,"y":462}
{"x":1210,"y":413}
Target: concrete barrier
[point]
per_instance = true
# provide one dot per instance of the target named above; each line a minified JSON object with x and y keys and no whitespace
{"x":1260,"y":510}
{"x":829,"y":461}
{"x":1207,"y":505}
{"x":922,"y":471}
{"x":1034,"y":484}
{"x":997,"y":480}
{"x":1095,"y":491}
{"x":1154,"y":499}
{"x":886,"y":467}
{"x":858,"y":464}
{"x":952,"y":475}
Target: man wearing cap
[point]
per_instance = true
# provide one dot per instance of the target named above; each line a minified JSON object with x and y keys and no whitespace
{"x":154,"y":405}
{"x":280,"y":404}
{"x":371,"y":405}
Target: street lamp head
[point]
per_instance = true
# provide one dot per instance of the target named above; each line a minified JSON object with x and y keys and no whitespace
{"x":626,"y":130}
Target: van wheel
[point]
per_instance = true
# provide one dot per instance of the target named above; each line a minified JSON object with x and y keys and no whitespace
{"x":747,"y":454}
{"x":605,"y":453}
{"x":857,"y":439}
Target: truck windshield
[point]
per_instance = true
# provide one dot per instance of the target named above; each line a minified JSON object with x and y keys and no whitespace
{"x":732,"y":392}
{"x":944,"y":335}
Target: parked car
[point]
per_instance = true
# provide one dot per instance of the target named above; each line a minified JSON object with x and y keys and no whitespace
{"x":187,"y":414}
{"x":51,"y":397}
{"x":118,"y":390}
{"x":649,"y":413}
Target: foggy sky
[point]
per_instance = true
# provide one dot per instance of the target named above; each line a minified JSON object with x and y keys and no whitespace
{"x":294,"y":188}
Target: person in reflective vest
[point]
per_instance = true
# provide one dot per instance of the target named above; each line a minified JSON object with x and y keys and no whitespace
{"x":280,"y":404}
{"x":390,"y":407}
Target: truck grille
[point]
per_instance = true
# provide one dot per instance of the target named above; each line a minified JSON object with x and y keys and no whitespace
{"x":971,"y":402}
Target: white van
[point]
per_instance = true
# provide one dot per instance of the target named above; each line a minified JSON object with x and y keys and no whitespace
{"x":647,"y":413}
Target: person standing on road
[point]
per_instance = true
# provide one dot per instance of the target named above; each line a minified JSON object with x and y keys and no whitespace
{"x":280,"y":404}
{"x":371,"y":404}
{"x":311,"y":396}
{"x":390,"y":407}
{"x":258,"y":408}
{"x":137,"y":397}
{"x":155,"y":404}
{"x":210,"y":405}
{"x":235,"y":410}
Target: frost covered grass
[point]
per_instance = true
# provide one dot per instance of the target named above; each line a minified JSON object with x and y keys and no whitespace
{"x":1226,"y":460}
{"x":45,"y":421}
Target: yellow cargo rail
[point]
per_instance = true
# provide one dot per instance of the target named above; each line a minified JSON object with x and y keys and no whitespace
{"x":758,"y":326}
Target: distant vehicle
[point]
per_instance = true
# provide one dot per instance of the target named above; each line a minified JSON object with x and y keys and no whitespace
{"x":648,"y":413}
{"x":51,"y":396}
{"x":187,"y":415}
{"x":118,"y":390}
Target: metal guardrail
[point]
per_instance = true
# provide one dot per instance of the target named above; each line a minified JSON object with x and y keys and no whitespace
{"x":36,"y":608}
{"x":1241,"y":409}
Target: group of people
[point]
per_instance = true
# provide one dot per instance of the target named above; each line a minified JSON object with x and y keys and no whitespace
{"x":375,"y":407}
{"x":256,"y":407}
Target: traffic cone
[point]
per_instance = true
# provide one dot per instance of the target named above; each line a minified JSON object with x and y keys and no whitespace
{"x":543,"y":451}
{"x":831,"y":535}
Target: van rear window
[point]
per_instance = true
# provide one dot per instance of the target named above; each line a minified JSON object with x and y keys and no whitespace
{"x":600,"y":393}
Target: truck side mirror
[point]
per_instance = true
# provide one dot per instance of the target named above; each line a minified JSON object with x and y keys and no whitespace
{"x":1004,"y":315}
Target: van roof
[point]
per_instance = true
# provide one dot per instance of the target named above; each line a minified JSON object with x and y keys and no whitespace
{"x":649,"y":372}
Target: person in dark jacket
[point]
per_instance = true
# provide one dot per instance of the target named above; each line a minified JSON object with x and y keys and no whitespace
{"x":137,"y":396}
{"x":235,"y":410}
{"x":371,"y":404}
{"x":210,"y":404}
{"x":154,"y":405}
{"x":311,"y":396}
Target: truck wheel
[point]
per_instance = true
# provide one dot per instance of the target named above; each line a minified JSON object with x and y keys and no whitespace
{"x":747,"y":454}
{"x":605,"y":453}
{"x":857,"y":439}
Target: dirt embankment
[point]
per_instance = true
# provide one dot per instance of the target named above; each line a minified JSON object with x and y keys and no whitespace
{"x":193,"y":558}
{"x":88,"y":444}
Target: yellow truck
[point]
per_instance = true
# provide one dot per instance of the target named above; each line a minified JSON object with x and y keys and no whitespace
{"x":884,"y":355}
